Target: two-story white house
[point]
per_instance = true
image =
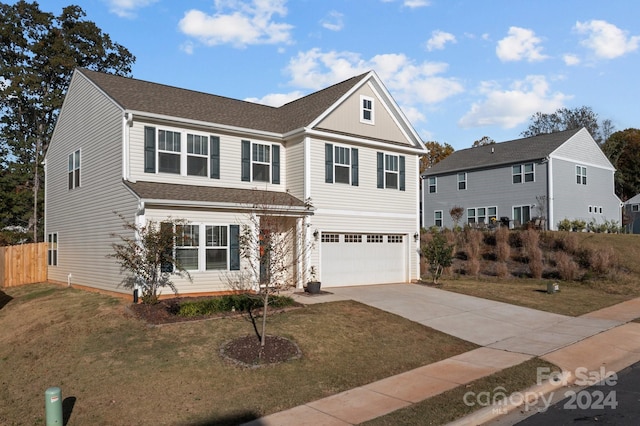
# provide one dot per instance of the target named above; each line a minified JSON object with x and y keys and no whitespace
{"x":555,"y":176}
{"x":151,"y":152}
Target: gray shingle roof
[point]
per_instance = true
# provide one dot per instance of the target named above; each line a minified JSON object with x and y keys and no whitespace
{"x":212,"y":194}
{"x":514,"y":151}
{"x":145,"y":96}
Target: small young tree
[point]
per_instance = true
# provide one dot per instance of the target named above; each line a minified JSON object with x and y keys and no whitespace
{"x":439,"y":254}
{"x":146,"y":253}
{"x":274,"y":248}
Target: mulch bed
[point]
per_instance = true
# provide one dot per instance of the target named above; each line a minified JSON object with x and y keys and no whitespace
{"x":247,"y":351}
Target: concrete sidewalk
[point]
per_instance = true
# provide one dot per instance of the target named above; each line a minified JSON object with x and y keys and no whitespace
{"x":509,"y":335}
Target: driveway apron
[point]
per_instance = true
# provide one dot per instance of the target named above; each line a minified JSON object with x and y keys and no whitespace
{"x":484,"y":322}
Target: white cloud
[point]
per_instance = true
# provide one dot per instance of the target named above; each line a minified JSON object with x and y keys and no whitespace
{"x":606,"y":40}
{"x":334,"y":21}
{"x":277,"y":99}
{"x":439,"y":39}
{"x":412,"y":3}
{"x":570,"y":59}
{"x":514,"y":106}
{"x":245,"y":23}
{"x":127,"y":8}
{"x":520,"y":44}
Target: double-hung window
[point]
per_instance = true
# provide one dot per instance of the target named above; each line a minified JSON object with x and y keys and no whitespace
{"x":391,"y":171}
{"x":437,"y":218}
{"x":581,"y":175}
{"x":471,"y":216}
{"x":187,"y":244}
{"x":52,"y":249}
{"x":197,"y":155}
{"x":462,"y":181}
{"x":523,"y":173}
{"x":366,"y":110}
{"x":261,"y":162}
{"x":168,"y":152}
{"x":217,"y":247}
{"x":74,"y":169}
{"x":432,"y":183}
{"x":342,"y":164}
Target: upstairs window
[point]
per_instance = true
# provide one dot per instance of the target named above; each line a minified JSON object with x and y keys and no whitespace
{"x":523,"y":173}
{"x":462,"y":181}
{"x":391,"y":171}
{"x":432,"y":185}
{"x":437,"y":218}
{"x":197,"y":155}
{"x":260,"y":162}
{"x":74,"y":170}
{"x":168,"y":152}
{"x":342,"y":165}
{"x":581,"y":175}
{"x":366,"y":110}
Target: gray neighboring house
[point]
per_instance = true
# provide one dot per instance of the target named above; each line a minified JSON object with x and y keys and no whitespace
{"x":552,"y":177}
{"x":632,"y":214}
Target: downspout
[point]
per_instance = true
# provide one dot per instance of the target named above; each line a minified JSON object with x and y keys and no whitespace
{"x":550,"y":207}
{"x":127,"y":123}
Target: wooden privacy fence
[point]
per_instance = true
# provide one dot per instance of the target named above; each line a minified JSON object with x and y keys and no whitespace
{"x":23,"y":264}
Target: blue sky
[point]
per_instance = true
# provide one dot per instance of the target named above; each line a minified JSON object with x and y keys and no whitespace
{"x":459,"y":69}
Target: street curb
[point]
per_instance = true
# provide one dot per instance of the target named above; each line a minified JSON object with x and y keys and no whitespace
{"x":508,"y":405}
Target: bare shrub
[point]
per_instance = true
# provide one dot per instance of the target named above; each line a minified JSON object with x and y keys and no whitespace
{"x":568,"y":242}
{"x":503,"y":249}
{"x":535,"y":263}
{"x":602,"y":260}
{"x":473,"y":239}
{"x":473,"y":267}
{"x":567,"y":268}
{"x":530,"y":243}
{"x":502,"y":271}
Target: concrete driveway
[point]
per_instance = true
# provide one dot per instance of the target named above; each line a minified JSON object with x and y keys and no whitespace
{"x":484,"y":322}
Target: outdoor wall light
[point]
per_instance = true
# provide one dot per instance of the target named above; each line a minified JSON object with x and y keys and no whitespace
{"x":316,"y":234}
{"x":416,"y":236}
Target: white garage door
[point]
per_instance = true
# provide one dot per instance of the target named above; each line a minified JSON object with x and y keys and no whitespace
{"x":359,"y":259}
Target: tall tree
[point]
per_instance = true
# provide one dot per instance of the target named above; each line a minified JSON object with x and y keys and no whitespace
{"x":623,"y":150}
{"x":38,"y":53}
{"x":485,"y":140}
{"x":437,"y":152}
{"x":568,"y":119}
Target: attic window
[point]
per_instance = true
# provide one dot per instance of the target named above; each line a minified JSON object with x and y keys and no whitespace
{"x":366,"y":110}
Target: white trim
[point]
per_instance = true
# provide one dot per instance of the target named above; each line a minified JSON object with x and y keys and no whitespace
{"x":361,"y":141}
{"x":575,"y":162}
{"x":307,"y":167}
{"x":364,"y":214}
{"x":372,"y":110}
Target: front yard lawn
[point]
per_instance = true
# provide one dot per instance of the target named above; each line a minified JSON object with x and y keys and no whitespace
{"x":116,"y":370}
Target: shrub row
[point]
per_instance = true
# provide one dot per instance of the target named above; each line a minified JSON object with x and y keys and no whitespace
{"x":228,"y":303}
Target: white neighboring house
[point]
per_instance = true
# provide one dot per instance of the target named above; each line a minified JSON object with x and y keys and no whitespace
{"x":151,"y":151}
{"x":555,"y":176}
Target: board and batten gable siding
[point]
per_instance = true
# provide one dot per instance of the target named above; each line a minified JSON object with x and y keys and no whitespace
{"x":485,"y":188}
{"x":230,"y":159}
{"x":571,"y":200}
{"x":346,"y":118}
{"x":83,"y":217}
